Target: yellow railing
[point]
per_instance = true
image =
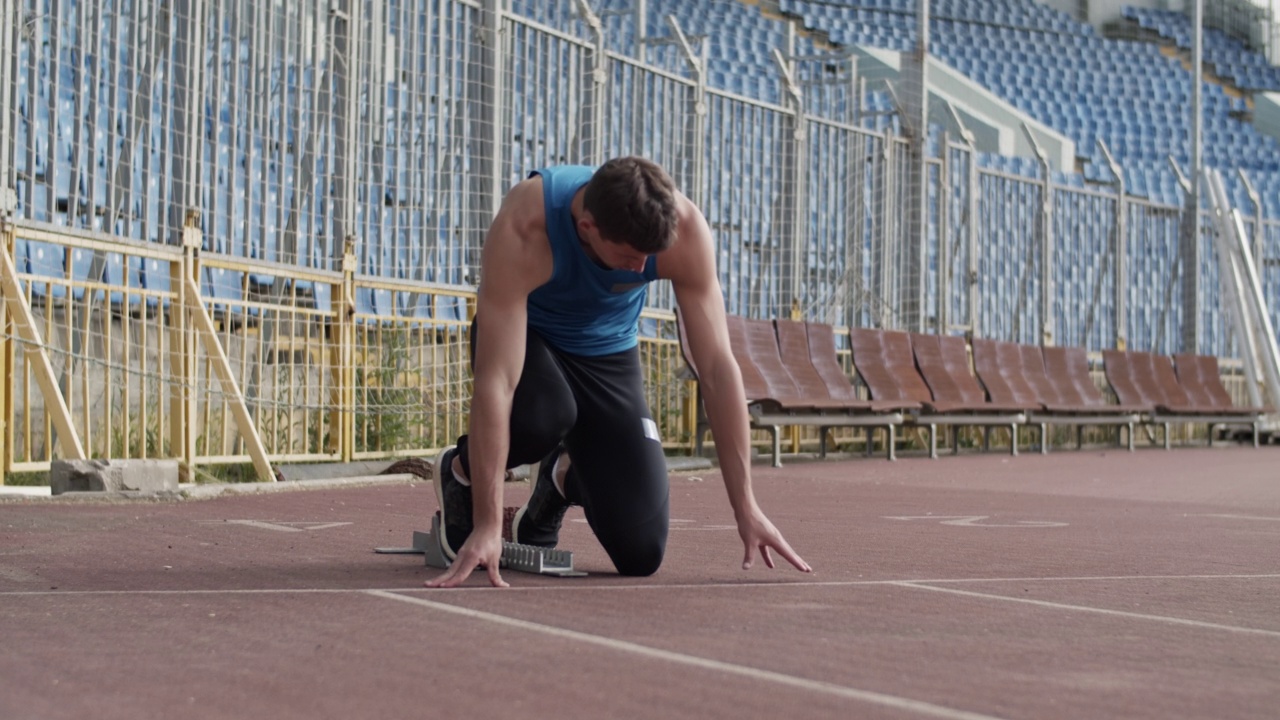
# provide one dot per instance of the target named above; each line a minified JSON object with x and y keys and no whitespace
{"x":217,"y":360}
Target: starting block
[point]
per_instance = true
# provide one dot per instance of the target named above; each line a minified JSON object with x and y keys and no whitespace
{"x":522,"y":558}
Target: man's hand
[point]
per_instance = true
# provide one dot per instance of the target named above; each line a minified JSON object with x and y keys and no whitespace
{"x":482,"y":549}
{"x":758,"y":533}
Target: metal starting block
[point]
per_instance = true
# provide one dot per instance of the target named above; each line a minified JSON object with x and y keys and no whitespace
{"x":522,"y":558}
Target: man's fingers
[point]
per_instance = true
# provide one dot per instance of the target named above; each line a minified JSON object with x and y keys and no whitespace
{"x":768,"y":559}
{"x":495,"y":578}
{"x":785,"y":551}
{"x":442,"y":578}
{"x":457,"y":574}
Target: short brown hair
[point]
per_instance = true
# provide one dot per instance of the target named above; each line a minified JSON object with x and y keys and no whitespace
{"x":633,"y":202}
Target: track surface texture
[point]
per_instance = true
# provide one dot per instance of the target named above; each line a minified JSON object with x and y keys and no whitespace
{"x":1095,"y":584}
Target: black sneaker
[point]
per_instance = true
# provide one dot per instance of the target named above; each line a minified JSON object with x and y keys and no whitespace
{"x":538,"y":521}
{"x":455,"y":504}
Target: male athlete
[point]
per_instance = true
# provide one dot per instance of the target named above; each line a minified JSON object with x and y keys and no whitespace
{"x":557,"y":375}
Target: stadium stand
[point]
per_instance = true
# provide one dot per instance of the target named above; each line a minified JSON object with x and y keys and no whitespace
{"x":886,"y":362}
{"x":1127,"y":93}
{"x":1021,"y":373}
{"x":1148,"y":379}
{"x":776,"y":399}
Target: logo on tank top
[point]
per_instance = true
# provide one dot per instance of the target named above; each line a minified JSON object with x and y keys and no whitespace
{"x":624,"y":287}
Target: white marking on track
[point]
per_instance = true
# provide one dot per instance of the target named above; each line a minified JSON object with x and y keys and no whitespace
{"x":278,"y":526}
{"x":1238,"y":517}
{"x":843,"y":691}
{"x":1099,"y":611}
{"x":976,"y":521}
{"x":736,"y":586}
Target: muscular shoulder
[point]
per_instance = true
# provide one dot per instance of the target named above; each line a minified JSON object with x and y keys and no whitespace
{"x":692,"y":254}
{"x":516,"y":248}
{"x":523,"y":210}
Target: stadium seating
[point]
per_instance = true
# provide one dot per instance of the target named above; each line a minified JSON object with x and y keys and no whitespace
{"x":1148,"y":379}
{"x":886,"y":362}
{"x":1063,"y":73}
{"x":790,"y":392}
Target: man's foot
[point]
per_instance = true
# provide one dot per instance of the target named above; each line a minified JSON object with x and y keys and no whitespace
{"x":538,"y":521}
{"x":455,"y":504}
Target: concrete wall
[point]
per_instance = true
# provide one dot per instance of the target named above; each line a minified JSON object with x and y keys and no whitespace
{"x":1100,"y":12}
{"x":1266,"y":113}
{"x":996,"y":125}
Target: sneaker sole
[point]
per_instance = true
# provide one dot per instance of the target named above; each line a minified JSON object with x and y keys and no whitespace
{"x":438,"y":480}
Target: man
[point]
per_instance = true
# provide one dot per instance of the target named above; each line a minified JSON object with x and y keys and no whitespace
{"x":557,"y":374}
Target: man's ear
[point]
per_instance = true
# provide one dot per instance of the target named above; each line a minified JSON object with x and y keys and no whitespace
{"x":586,"y":222}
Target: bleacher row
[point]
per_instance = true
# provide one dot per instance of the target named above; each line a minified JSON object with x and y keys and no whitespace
{"x":1229,"y":57}
{"x":792,"y":376}
{"x":1090,"y":88}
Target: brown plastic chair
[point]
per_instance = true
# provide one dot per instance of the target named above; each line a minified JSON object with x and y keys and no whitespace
{"x":1068,"y":371}
{"x":887,"y":363}
{"x":822,"y":355}
{"x":871,"y":366}
{"x":944,"y":363}
{"x":754,"y":383}
{"x":1174,"y":396}
{"x":1151,"y":380}
{"x":1120,"y":375}
{"x":797,"y":357}
{"x":794,"y":374}
{"x":774,"y":397}
{"x":1201,"y":379}
{"x":999,"y":366}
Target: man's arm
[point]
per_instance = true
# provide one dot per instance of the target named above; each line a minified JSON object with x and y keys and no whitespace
{"x":515,"y":260}
{"x":690,"y":265}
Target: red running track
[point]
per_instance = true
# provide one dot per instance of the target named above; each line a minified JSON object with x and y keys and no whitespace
{"x":1078,"y":585}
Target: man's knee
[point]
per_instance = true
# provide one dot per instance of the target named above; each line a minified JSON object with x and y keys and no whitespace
{"x":640,"y":552}
{"x":641,"y":561}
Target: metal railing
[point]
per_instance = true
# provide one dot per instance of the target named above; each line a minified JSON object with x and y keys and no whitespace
{"x":337,"y":165}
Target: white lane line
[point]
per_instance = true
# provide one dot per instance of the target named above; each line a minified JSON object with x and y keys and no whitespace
{"x":579,"y":586}
{"x":868,"y":696}
{"x":1099,"y":611}
{"x":1238,"y":517}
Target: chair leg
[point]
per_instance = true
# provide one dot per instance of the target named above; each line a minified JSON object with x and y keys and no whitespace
{"x":822,"y":442}
{"x":986,"y":438}
{"x":955,"y":439}
{"x":1255,"y":434}
{"x":1210,"y":434}
{"x":776,"y":432}
{"x":889,"y":431}
{"x":1129,"y":435}
{"x":933,"y":441}
{"x":1013,"y":439}
{"x":1168,"y":443}
{"x":1079,"y":437}
{"x":1044,"y":438}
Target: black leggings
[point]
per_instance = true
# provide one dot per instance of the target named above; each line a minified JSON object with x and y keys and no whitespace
{"x":596,"y":407}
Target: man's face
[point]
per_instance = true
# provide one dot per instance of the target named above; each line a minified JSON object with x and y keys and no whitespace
{"x":615,"y":256}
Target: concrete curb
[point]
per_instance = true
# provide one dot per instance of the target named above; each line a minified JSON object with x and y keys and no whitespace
{"x":188,"y":491}
{"x":213,"y":490}
{"x":206,"y":492}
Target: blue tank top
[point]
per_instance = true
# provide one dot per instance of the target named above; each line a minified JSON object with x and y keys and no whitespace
{"x":583,"y":309}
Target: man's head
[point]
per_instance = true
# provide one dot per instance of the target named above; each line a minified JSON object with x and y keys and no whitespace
{"x":631,"y":202}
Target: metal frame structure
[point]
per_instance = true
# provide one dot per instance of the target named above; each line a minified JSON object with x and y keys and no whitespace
{"x":299,"y":218}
